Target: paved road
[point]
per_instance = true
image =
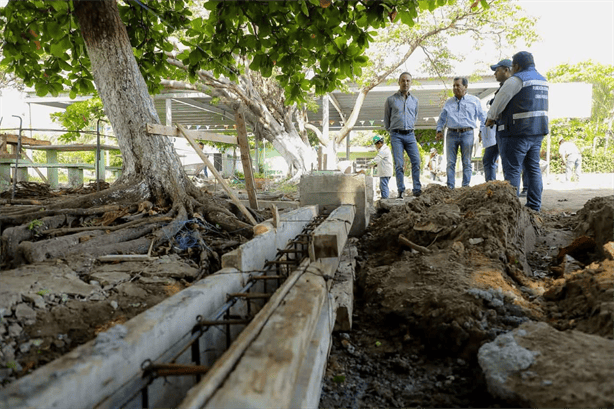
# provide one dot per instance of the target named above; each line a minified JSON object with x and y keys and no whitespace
{"x":562,"y":196}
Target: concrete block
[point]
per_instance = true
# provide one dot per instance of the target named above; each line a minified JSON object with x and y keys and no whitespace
{"x":331,"y":190}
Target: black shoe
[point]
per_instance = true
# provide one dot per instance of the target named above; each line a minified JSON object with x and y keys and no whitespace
{"x":418,"y":193}
{"x":400,"y":195}
{"x":523,"y":193}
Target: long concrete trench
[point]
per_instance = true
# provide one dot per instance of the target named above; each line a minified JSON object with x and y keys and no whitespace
{"x":255,"y":334}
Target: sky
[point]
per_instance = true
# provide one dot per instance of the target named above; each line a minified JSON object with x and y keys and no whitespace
{"x":570,"y":31}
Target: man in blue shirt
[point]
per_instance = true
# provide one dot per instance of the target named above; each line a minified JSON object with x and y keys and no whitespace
{"x":461,"y":114}
{"x":400,"y":113}
{"x":520,"y":111}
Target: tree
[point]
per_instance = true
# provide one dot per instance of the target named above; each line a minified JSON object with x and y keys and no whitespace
{"x":596,"y":130}
{"x":599,"y":75}
{"x":74,"y":44}
{"x":272,"y":118}
{"x":500,"y":22}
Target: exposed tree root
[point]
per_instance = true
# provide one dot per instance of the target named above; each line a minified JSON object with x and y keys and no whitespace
{"x":119,"y":220}
{"x":67,"y":230}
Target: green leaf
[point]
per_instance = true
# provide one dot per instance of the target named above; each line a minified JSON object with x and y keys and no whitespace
{"x":485,"y":4}
{"x":54,"y":29}
{"x":59,"y":5}
{"x":195,"y":56}
{"x":255,"y":65}
{"x":41,"y":89}
{"x":304,"y":8}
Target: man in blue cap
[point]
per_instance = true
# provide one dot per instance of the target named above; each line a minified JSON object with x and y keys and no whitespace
{"x":520,"y":111}
{"x":503,"y":70}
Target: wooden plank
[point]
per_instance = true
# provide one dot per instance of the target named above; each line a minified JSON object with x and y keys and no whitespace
{"x":13,"y":139}
{"x":246,"y":160}
{"x":308,"y":386}
{"x":343,"y":289}
{"x":219,"y":177}
{"x":196,"y":134}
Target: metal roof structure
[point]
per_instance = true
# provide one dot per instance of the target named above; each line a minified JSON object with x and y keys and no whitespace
{"x":195,"y":110}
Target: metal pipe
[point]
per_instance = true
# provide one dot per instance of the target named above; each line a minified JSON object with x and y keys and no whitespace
{"x":17,"y":154}
{"x":98,"y":154}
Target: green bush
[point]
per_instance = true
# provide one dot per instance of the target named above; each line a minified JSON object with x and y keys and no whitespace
{"x":602,"y":161}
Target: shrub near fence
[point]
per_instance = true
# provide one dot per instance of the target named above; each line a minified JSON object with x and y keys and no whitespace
{"x":602,"y":161}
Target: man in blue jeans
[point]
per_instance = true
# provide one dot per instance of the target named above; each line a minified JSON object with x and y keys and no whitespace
{"x":461,"y":114}
{"x":503,"y":70}
{"x":520,"y":111}
{"x":400,"y":113}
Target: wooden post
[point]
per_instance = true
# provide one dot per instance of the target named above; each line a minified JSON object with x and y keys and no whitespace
{"x":246,"y":160}
{"x":219,"y":177}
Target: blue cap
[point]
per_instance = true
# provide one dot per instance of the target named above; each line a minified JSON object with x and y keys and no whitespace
{"x":503,"y":63}
{"x":524,"y":59}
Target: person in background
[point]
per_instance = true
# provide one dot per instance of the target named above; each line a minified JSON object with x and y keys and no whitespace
{"x":434,"y":164}
{"x":400,"y":113}
{"x":522,"y":108}
{"x":503,"y":70}
{"x":383,"y":161}
{"x":461,"y":114}
{"x":202,"y":148}
{"x":571,"y":157}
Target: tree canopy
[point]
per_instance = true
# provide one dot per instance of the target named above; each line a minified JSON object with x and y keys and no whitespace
{"x":312,"y":44}
{"x":599,"y":75}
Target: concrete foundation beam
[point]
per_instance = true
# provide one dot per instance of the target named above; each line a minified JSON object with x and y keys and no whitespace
{"x":283,"y":365}
{"x":252,"y":255}
{"x":92,"y":374}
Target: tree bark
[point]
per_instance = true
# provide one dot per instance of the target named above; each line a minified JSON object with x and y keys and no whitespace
{"x":264,"y":111}
{"x":151,"y":168}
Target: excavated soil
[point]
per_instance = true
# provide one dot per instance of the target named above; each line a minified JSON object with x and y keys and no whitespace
{"x":437,"y":277}
{"x":478,"y":265}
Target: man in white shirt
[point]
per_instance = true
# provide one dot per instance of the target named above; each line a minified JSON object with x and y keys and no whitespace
{"x":383,"y":161}
{"x":571,"y":157}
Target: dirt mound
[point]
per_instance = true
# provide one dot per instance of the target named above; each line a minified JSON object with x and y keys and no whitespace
{"x":468,"y":281}
{"x":596,"y":219}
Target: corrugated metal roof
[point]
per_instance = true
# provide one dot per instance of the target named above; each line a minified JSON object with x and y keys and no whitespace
{"x":195,"y":110}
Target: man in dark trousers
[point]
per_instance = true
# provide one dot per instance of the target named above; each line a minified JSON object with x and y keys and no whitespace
{"x":503,"y":70}
{"x":400,"y":113}
{"x":522,"y":108}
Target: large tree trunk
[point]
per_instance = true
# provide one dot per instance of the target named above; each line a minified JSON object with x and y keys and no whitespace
{"x":266,"y":114}
{"x":151,"y":168}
